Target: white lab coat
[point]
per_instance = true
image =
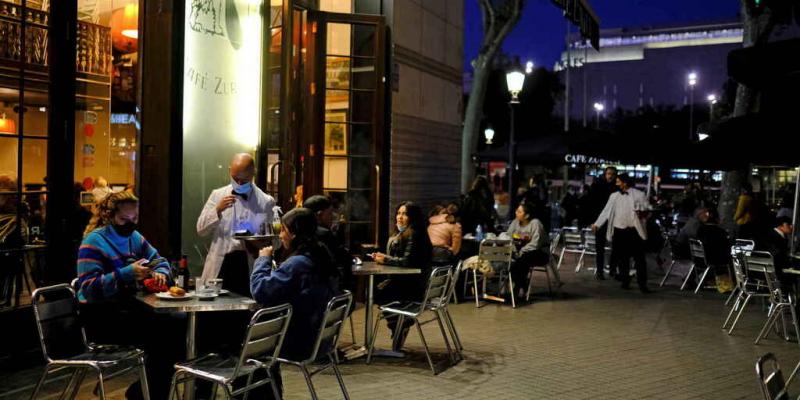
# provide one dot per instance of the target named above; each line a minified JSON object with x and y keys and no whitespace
{"x":639,"y":204}
{"x":250,"y":214}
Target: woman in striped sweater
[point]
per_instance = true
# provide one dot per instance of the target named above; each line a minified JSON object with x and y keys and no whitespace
{"x":112,"y":258}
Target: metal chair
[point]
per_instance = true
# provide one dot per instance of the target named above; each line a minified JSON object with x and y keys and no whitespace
{"x":65,"y":347}
{"x":770,"y":378}
{"x":573,"y":242}
{"x":445,"y":311}
{"x":260,"y":350}
{"x":496,"y":251}
{"x":740,"y":245}
{"x":434,"y":300}
{"x":329,"y":331}
{"x":749,"y":286}
{"x":588,"y":244}
{"x":779,"y":301}
{"x":675,"y":258}
{"x":698,"y":254}
{"x":547,"y":269}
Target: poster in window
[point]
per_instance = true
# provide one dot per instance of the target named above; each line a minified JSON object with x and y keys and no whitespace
{"x":335,"y":133}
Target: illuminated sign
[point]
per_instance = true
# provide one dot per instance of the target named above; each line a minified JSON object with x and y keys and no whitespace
{"x":583,"y":159}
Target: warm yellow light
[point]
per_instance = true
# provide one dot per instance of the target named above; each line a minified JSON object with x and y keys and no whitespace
{"x":7,"y":125}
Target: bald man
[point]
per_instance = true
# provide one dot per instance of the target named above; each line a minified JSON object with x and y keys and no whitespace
{"x":239,"y":207}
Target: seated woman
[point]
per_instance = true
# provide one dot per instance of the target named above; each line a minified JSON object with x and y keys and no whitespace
{"x":409,"y":246}
{"x":306,"y":279}
{"x":534,"y":250}
{"x":445,"y":234}
{"x":112,"y":260}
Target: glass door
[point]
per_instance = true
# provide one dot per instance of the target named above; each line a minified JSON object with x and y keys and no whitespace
{"x":344,"y":152}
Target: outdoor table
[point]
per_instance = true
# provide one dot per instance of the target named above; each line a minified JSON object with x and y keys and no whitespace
{"x":23,"y":278}
{"x":370,"y":269}
{"x":226,"y":302}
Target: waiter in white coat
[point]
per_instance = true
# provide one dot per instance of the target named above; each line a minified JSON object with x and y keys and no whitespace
{"x":625,"y":212}
{"x":237,"y":208}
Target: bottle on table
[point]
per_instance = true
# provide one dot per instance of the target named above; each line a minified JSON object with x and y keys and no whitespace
{"x":183,"y":279}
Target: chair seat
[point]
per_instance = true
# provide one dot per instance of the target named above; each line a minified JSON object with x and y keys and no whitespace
{"x":409,"y":309}
{"x":218,"y":368}
{"x":105,"y":356}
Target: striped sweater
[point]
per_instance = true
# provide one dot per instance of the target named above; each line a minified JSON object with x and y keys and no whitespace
{"x":104,"y":258}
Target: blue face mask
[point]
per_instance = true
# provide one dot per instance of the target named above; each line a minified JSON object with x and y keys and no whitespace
{"x":243,"y":188}
{"x":401,"y":229}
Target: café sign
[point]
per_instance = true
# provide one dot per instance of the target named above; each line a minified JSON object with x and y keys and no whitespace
{"x":584,"y":159}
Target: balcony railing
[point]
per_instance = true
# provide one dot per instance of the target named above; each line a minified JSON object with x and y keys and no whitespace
{"x":93,"y":50}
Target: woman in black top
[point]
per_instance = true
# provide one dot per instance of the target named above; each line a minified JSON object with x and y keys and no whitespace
{"x":410,"y":247}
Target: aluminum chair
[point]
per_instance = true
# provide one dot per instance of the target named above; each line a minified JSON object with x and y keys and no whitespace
{"x":260,"y":350}
{"x":770,"y":378}
{"x":434,"y":300}
{"x":329,"y":331}
{"x":64,"y":345}
{"x":749,"y":286}
{"x":779,"y":301}
{"x":547,"y":269}
{"x":445,"y":311}
{"x":740,"y":245}
{"x":496,"y":251}
{"x":573,"y":242}
{"x":698,"y":254}
{"x":674,"y":259}
{"x":588,"y":245}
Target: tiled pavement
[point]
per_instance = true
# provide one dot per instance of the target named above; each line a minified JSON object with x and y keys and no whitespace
{"x":596,"y":342}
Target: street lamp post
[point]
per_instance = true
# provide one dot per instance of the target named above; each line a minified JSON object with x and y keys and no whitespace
{"x":488,"y":133}
{"x":692,"y":78}
{"x":515,"y":78}
{"x":712,"y":99}
{"x":598,"y":108}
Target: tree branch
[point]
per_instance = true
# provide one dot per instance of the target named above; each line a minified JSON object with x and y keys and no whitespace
{"x":489,"y":17}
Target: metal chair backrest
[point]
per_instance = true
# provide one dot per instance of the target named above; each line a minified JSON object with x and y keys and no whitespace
{"x":436,"y":293}
{"x":264,"y":336}
{"x":332,"y":322}
{"x":589,"y":239}
{"x":572,"y":237}
{"x":697,"y":251}
{"x":61,"y":333}
{"x":770,"y":378}
{"x":496,"y":250}
{"x":762,"y":261}
{"x":745,"y":244}
{"x":451,"y":289}
{"x":738,"y":267}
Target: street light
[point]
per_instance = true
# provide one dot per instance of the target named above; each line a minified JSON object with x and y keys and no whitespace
{"x":529,"y":67}
{"x":692,"y":78}
{"x":712,"y":99}
{"x":515,"y":80}
{"x":598,"y":107}
{"x":488,"y":133}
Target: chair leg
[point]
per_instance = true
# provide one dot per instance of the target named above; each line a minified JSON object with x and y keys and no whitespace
{"x":352,"y":328}
{"x":795,"y":323}
{"x":739,"y":314}
{"x":561,"y":257}
{"x":771,"y":320}
{"x":702,"y":280}
{"x":734,"y":293}
{"x":425,"y":345}
{"x":372,"y":339}
{"x":580,"y":262}
{"x":246,"y":394}
{"x":272,"y":384}
{"x":734,"y":308}
{"x":40,"y":382}
{"x":530,"y":287}
{"x":339,"y":378}
{"x":77,"y":387}
{"x":70,"y":388}
{"x":511,"y":287}
{"x":475,"y":285}
{"x":450,"y":352}
{"x":688,"y":275}
{"x":310,"y":384}
{"x":143,"y":379}
{"x":101,"y":388}
{"x":398,"y":329}
{"x":547,"y":275}
{"x":452,"y":327}
{"x":666,"y":276}
{"x":173,"y":386}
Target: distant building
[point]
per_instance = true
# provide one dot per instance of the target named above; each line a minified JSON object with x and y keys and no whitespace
{"x":647,"y":66}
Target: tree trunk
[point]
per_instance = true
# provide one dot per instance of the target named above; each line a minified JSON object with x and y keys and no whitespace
{"x":472,"y":121}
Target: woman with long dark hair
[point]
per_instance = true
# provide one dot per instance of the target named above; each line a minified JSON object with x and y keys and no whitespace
{"x":306,"y":279}
{"x":410,"y":247}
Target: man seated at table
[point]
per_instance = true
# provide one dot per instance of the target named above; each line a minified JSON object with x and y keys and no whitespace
{"x":112,"y":260}
{"x":776,"y":242}
{"x":323,"y":210}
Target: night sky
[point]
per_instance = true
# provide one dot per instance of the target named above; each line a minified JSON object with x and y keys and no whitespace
{"x":539,"y":35}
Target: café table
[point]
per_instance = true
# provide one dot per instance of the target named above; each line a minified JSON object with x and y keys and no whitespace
{"x":225,"y":302}
{"x":370,"y":269}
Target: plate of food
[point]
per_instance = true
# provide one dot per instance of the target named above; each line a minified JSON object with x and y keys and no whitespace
{"x":174,"y":293}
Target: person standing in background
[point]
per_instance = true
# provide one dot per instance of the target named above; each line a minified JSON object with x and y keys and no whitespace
{"x":599,"y":193}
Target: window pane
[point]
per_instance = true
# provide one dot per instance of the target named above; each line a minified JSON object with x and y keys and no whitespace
{"x":361,"y":233}
{"x":9,"y":120}
{"x":336,"y":105}
{"x":361,"y":172}
{"x":335,"y":173}
{"x":339,"y":39}
{"x":360,"y":206}
{"x":364,"y":73}
{"x":362,"y":106}
{"x":35,"y":114}
{"x":363,"y":40}
{"x":8,"y":162}
{"x":337,"y":73}
{"x":361,"y":140}
{"x":335,"y":139}
{"x":340,"y":6}
{"x":34,"y":163}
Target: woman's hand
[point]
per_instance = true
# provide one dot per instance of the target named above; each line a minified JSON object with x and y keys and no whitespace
{"x":160,"y":278}
{"x":140,"y":271}
{"x":265,"y":252}
{"x":379,"y":258}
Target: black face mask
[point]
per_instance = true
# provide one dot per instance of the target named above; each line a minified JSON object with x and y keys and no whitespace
{"x":125,"y":229}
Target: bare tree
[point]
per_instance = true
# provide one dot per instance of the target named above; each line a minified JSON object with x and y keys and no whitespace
{"x":499,"y":18}
{"x":757,"y":28}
